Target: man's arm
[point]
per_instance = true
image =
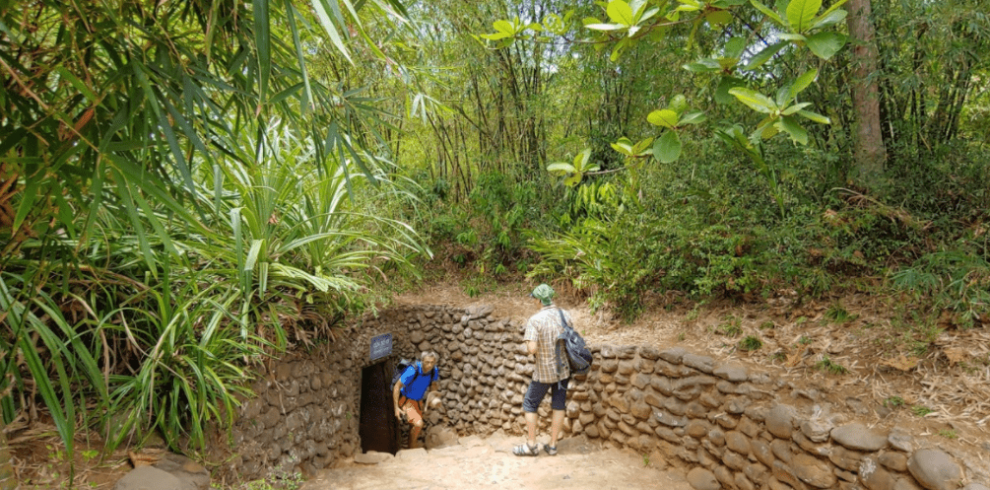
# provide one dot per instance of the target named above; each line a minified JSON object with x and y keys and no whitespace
{"x":531,"y":347}
{"x":395,"y":399}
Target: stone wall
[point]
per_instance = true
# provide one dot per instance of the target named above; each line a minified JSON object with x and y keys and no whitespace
{"x":729,"y":426}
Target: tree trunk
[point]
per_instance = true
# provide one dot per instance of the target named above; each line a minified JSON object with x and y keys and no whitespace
{"x":869,"y":152}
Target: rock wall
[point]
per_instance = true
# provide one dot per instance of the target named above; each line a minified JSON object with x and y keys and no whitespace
{"x":729,"y":426}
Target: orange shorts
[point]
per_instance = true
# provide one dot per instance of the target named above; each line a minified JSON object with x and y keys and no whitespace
{"x":413,"y":410}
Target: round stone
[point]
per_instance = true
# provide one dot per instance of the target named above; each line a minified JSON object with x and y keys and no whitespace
{"x":702,"y":479}
{"x":780,"y":421}
{"x":858,"y":437}
{"x":934,"y":469}
{"x":813,"y":471}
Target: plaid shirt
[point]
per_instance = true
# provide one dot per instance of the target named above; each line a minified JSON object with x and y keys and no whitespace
{"x":544,"y":327}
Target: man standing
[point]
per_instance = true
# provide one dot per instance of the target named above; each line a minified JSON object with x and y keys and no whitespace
{"x":551,"y":373}
{"x":409,"y":395}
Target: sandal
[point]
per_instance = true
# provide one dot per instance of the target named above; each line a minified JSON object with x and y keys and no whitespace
{"x":551,"y":450}
{"x":526,"y":450}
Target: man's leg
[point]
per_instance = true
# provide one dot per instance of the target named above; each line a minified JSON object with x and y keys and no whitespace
{"x":531,"y":428}
{"x":414,"y":435}
{"x":415,"y":417}
{"x":531,"y":402}
{"x":558,"y":400}
{"x":555,"y":423}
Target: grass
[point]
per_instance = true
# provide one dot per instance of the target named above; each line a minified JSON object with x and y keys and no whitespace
{"x":731,"y":328}
{"x":948,"y":433}
{"x":767,"y":325}
{"x":750,"y":343}
{"x":894,"y":402}
{"x":804,"y":340}
{"x":830,"y":366}
{"x":836,"y":313}
{"x":921,"y":411}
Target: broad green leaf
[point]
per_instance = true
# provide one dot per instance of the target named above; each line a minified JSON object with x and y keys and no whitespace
{"x":818,"y":118}
{"x":581,"y":160}
{"x":802,"y":82}
{"x":590,"y":20}
{"x":667,"y":148}
{"x":722,"y":95}
{"x":799,"y":38}
{"x":790,"y":126}
{"x":767,"y":12}
{"x":734,"y":47}
{"x":755,"y":100}
{"x":719,"y":18}
{"x":495,"y":36}
{"x":622,"y":147}
{"x":825,"y":44}
{"x":830,"y":19}
{"x":641,"y":146}
{"x":504,"y":26}
{"x":678,"y":103}
{"x":665,"y":118}
{"x":693,"y":117}
{"x":727,"y":63}
{"x":765,"y":131}
{"x":782,"y":96}
{"x":688,"y":6}
{"x":620,"y":12}
{"x":606,"y":27}
{"x":794,"y":108}
{"x":706,"y":65}
{"x":573,"y":180}
{"x":800,"y":13}
{"x":832,"y":8}
{"x":764,"y":55}
{"x":646,"y":15}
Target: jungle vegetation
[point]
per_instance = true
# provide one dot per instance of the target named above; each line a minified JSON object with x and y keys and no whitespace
{"x":189,"y":186}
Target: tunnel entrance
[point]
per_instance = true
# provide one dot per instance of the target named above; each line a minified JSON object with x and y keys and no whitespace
{"x":378,"y":428}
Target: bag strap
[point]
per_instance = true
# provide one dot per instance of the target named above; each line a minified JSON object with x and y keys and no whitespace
{"x":563,"y":321}
{"x":561,"y":358}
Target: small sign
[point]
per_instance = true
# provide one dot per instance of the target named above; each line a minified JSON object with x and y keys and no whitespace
{"x":381,"y":346}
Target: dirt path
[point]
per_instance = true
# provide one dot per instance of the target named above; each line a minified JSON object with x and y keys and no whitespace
{"x":488,"y":463}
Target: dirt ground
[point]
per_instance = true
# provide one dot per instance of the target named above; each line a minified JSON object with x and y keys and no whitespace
{"x":489,"y":464}
{"x":852,"y":352}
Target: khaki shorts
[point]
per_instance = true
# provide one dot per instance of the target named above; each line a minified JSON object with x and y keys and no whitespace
{"x":413,"y":410}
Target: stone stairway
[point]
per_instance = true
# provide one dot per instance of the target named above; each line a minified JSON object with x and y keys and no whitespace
{"x":488,"y":463}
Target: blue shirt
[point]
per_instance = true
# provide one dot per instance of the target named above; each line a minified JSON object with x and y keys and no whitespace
{"x":416,"y":389}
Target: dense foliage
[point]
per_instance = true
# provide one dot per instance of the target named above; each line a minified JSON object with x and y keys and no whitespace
{"x":188,"y":186}
{"x":651,"y":202}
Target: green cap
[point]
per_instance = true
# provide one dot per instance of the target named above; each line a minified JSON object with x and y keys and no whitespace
{"x":544,"y":293}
